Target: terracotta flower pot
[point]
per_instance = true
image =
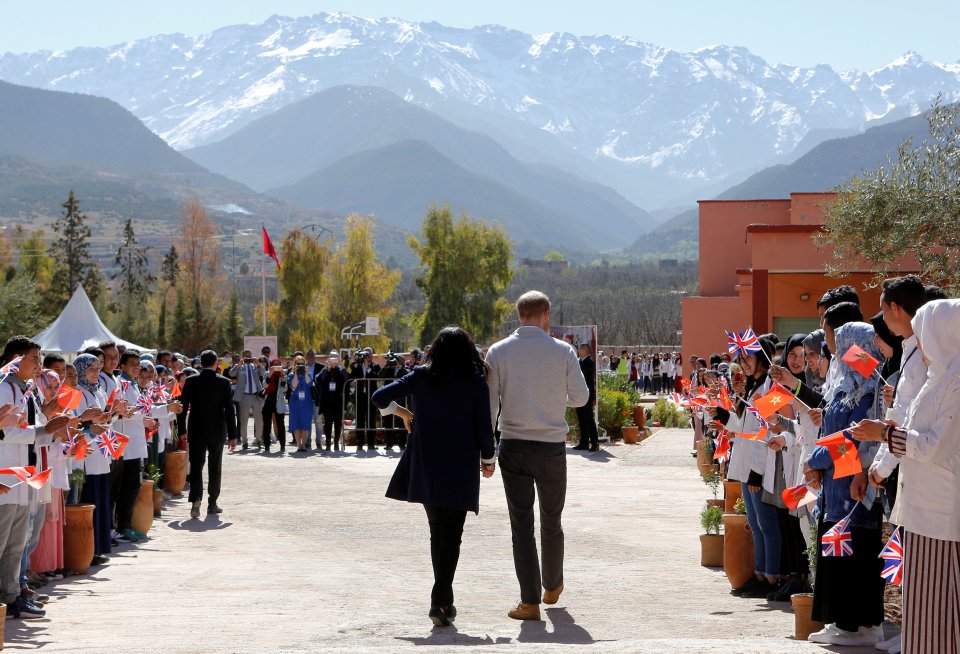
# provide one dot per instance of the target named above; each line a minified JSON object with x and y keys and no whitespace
{"x":803,"y":625}
{"x":630,"y":434}
{"x":78,"y":541}
{"x":709,"y":469}
{"x":639,"y":416}
{"x":701,"y":455}
{"x":711,"y":550}
{"x":142,"y":518}
{"x":732,"y":491}
{"x":157,"y":502}
{"x":737,"y":549}
{"x":716,"y":503}
{"x":175,"y":472}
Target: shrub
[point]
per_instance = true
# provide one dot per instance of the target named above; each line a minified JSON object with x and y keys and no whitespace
{"x":739,"y":507}
{"x":711,"y":518}
{"x":615,"y":409}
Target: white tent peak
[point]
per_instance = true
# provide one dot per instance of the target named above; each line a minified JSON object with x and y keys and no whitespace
{"x":78,"y":327}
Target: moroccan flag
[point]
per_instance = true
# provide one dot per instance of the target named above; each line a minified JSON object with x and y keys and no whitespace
{"x":69,"y":398}
{"x":28,"y":475}
{"x":268,"y":248}
{"x":684,"y":384}
{"x":38,"y":480}
{"x":177,"y":391}
{"x":846,"y":459}
{"x":725,"y":400}
{"x":122,"y":442}
{"x":860,"y":361}
{"x":113,"y":396}
{"x":776,"y":399}
{"x":759,"y":436}
{"x":798,"y":496}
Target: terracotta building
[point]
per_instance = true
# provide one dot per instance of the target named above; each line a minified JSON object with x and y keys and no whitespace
{"x":760,"y":266}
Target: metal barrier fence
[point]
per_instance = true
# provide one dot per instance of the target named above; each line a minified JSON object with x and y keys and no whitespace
{"x":367,"y":423}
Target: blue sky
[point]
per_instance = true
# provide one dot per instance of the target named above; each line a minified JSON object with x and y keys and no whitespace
{"x":843,"y":33}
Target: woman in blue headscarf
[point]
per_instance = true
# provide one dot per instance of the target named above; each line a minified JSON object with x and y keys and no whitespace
{"x":96,"y":485}
{"x":848,"y":593}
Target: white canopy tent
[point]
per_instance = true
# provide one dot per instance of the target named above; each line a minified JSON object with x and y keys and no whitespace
{"x":79,"y":327}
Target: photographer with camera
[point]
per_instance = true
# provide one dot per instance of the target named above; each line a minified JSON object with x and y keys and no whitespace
{"x":300,"y":383}
{"x":248,"y":395}
{"x":328,"y":388}
{"x":392,"y":370}
{"x":362,"y":368}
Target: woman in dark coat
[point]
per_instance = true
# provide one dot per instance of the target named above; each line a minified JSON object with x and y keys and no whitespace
{"x":451,"y":440}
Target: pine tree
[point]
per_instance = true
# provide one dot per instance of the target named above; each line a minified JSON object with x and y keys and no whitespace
{"x":171,"y":266}
{"x":231,"y":326}
{"x":71,"y":253}
{"x":135,"y":277}
{"x":162,"y":322}
{"x":181,"y":325}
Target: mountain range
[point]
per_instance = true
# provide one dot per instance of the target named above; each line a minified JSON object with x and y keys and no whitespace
{"x":651,"y":122}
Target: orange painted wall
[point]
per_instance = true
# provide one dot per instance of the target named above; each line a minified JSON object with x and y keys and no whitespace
{"x":723,"y":248}
{"x":705,"y":318}
{"x":807,"y":209}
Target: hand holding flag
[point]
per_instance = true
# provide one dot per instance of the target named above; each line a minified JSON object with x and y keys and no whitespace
{"x":846,"y":458}
{"x":838,"y":541}
{"x":798,"y":496}
{"x":69,"y":398}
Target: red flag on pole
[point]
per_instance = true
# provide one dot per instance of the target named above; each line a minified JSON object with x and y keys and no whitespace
{"x":798,"y":496}
{"x":268,"y":248}
{"x":846,"y":460}
{"x":860,"y":361}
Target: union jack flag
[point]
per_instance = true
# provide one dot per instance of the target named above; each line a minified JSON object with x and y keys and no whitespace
{"x":837,"y":541}
{"x":11,"y":368}
{"x":108,"y":443}
{"x":160,"y":395}
{"x":756,"y":414}
{"x":124,"y":385}
{"x":745,"y":343}
{"x":144,"y":405}
{"x":721,"y":450}
{"x":892,"y":556}
{"x":678,"y":399}
{"x":27,"y":394}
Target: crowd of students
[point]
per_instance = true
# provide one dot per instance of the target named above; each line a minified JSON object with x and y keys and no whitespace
{"x":655,"y":373}
{"x":907,"y":438}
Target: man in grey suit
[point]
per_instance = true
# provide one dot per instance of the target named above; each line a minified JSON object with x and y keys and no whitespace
{"x":250,"y":377}
{"x":533,"y":379}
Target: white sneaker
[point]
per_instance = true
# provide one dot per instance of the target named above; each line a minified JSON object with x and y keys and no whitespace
{"x":843,"y":637}
{"x":823,"y":636}
{"x":894,"y":647}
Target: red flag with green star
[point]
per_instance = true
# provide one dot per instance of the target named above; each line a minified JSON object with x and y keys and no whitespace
{"x":846,"y":459}
{"x":860,"y":361}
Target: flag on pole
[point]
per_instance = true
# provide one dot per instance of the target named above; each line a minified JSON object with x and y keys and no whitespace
{"x":777,"y":398}
{"x":798,"y":496}
{"x":69,"y":398}
{"x":892,"y":556}
{"x":755,"y":412}
{"x":177,"y":391}
{"x":28,"y":475}
{"x":75,"y":446}
{"x":860,"y":361}
{"x":759,"y":436}
{"x":11,"y":368}
{"x":838,"y":541}
{"x":725,"y":400}
{"x":144,"y":405}
{"x":113,"y":396}
{"x":745,"y":343}
{"x":677,"y":399}
{"x":721,"y":450}
{"x":268,"y":248}
{"x":846,"y":459}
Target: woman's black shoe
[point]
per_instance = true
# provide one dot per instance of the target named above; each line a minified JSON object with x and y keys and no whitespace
{"x":439,"y":617}
{"x":761,"y":590}
{"x":451,"y":612}
{"x":748,"y":587}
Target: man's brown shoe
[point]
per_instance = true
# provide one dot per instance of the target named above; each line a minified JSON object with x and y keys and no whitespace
{"x":525,"y":612}
{"x":552,"y":596}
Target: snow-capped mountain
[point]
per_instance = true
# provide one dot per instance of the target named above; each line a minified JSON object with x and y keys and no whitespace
{"x":636,"y":109}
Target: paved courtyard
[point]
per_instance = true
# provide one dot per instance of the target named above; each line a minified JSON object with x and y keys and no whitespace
{"x":309,"y":556}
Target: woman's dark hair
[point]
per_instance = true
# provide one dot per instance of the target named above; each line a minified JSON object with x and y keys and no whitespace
{"x":453,"y":354}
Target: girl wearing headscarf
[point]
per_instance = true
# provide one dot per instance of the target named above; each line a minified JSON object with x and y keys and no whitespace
{"x":48,"y":554}
{"x":848,"y":594}
{"x":96,"y":485}
{"x":928,"y":500}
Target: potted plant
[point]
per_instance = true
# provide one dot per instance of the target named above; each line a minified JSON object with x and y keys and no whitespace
{"x":803,"y":623}
{"x":713,"y":482}
{"x":629,"y":431}
{"x":737,"y":546}
{"x":707,"y":466}
{"x":175,"y":467}
{"x":153,"y":474}
{"x":78,"y":539}
{"x":711,"y":541}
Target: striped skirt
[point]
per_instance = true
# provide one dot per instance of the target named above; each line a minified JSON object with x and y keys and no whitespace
{"x":931,"y":595}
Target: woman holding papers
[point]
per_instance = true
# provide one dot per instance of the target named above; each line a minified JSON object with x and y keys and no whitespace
{"x":452,"y":438}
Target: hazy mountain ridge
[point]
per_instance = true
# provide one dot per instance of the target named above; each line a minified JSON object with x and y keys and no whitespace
{"x":642,"y":112}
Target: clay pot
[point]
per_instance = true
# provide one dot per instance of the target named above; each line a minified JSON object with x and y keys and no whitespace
{"x":708,"y":469}
{"x":630,"y":434}
{"x":711,"y":550}
{"x":803,"y":626}
{"x":639,"y":416}
{"x":78,"y":541}
{"x":737,"y":549}
{"x":175,"y":472}
{"x":732,"y":491}
{"x":157,"y":502}
{"x":716,"y":503}
{"x":701,"y":455}
{"x":142,"y":518}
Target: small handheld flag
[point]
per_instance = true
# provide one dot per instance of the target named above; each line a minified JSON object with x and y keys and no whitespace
{"x":144,"y":405}
{"x":69,"y":398}
{"x":11,"y":368}
{"x":838,"y":541}
{"x":846,"y":459}
{"x":860,"y":361}
{"x":798,"y":496}
{"x":721,"y":450}
{"x":892,"y":556}
{"x":745,"y":343}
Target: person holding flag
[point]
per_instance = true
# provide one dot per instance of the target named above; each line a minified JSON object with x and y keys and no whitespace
{"x":848,"y":595}
{"x":753,"y":464}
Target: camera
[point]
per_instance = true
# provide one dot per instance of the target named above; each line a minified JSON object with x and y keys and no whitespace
{"x":392,"y":359}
